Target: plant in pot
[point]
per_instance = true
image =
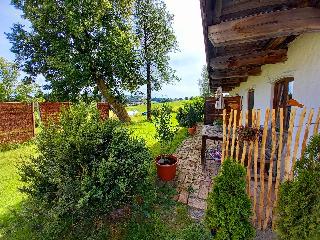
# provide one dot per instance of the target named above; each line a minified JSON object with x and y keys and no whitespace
{"x":187,"y":117}
{"x":165,"y":132}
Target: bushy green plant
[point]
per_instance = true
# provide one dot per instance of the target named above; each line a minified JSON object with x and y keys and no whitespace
{"x":298,"y":207}
{"x":86,"y":166}
{"x":191,"y":112}
{"x":229,"y":207}
{"x":165,"y":130}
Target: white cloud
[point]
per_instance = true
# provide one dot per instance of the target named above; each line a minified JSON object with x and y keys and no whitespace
{"x":189,"y":61}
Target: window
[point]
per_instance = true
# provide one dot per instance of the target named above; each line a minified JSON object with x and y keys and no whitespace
{"x":283,"y":91}
{"x":250,"y":105}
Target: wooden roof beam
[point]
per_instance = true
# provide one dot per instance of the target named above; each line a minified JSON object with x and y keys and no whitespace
{"x":236,"y":73}
{"x":254,"y":58}
{"x":265,"y":26}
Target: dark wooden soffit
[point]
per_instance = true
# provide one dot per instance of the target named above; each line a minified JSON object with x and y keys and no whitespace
{"x":236,"y":73}
{"x":253,"y":58}
{"x":265,"y":26}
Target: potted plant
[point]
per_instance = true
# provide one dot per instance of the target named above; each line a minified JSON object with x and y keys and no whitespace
{"x":187,"y":116}
{"x":166,"y":163}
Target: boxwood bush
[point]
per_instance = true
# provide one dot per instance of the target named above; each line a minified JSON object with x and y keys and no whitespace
{"x":85,"y":166}
{"x":298,"y":207}
{"x":229,"y":207}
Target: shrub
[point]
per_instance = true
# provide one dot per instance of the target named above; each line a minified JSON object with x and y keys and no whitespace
{"x":229,"y":207}
{"x":298,"y":207}
{"x":191,"y":112}
{"x":162,"y":121}
{"x":85,"y":167}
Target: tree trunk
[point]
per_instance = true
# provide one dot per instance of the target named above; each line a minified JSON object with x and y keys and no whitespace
{"x":148,"y":92}
{"x":116,"y":106}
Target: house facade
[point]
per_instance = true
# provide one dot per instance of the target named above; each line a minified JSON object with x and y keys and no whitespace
{"x":266,"y":51}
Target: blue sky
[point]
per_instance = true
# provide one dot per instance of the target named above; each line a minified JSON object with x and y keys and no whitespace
{"x":187,"y":62}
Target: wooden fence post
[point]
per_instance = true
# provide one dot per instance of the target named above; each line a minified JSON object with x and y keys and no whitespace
{"x":224,"y":135}
{"x":234,"y":131}
{"x":262,"y":163}
{"x":278,"y":162}
{"x":297,"y":139}
{"x":289,"y":140}
{"x":237,"y":148}
{"x":229,"y":133}
{"x":270,"y":178}
{"x":256,"y":152}
{"x":316,"y":125}
{"x":250,"y":154}
{"x":306,"y":132}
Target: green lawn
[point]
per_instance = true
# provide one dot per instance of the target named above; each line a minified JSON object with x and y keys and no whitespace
{"x":165,"y":219}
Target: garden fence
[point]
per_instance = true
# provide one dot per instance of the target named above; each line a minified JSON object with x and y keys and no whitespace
{"x":271,"y":154}
{"x":17,"y":120}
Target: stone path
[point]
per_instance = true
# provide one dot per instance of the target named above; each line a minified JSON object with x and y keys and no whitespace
{"x":193,"y":182}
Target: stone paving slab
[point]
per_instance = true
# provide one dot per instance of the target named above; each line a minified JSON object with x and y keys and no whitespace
{"x":193,"y":181}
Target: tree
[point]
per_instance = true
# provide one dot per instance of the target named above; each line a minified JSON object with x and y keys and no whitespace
{"x":153,"y":25}
{"x":11,"y":89}
{"x":79,"y":46}
{"x":203,"y":82}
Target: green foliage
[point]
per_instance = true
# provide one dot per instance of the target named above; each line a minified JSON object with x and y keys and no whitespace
{"x":191,"y":112}
{"x":83,"y":48}
{"x":162,"y":121}
{"x":85,"y":167}
{"x":229,"y":207}
{"x":299,"y":200}
{"x":12,"y":89}
{"x":153,"y":25}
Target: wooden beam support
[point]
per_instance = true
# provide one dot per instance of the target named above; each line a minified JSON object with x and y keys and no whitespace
{"x":265,"y":26}
{"x":235,"y":73}
{"x":239,"y":6}
{"x":254,"y":58}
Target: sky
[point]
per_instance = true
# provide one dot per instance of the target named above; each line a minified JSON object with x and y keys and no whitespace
{"x":188,"y":61}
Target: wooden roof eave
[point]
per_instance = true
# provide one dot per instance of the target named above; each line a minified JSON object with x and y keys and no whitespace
{"x":265,"y":26}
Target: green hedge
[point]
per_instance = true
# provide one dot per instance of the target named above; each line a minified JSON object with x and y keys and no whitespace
{"x":298,"y":207}
{"x":229,"y":207}
{"x":85,"y":167}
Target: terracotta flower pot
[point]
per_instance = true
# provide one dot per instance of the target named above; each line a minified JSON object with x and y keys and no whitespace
{"x":192,"y":130}
{"x":166,"y":172}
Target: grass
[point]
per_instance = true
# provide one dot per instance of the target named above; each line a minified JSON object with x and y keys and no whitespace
{"x":159,"y":218}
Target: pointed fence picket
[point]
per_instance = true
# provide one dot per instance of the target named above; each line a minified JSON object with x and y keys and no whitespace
{"x":264,"y":174}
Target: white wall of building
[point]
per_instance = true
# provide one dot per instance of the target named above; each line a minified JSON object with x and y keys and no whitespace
{"x":303,"y":65}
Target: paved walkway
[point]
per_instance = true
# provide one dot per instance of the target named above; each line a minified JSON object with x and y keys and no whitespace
{"x":193,"y":182}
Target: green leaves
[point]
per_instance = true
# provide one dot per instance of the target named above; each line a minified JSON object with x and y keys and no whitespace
{"x":85,"y":167}
{"x":162,"y":121}
{"x":191,"y":112}
{"x":229,"y":207}
{"x":299,"y":200}
{"x":75,"y":43}
{"x":153,"y":27}
{"x":12,"y":89}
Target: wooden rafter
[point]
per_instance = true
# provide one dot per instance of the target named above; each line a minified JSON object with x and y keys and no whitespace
{"x":235,"y":73}
{"x":265,"y":26}
{"x":253,"y":58}
{"x":239,"y":6}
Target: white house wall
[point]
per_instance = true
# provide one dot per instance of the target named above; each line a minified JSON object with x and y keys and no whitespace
{"x":303,"y":65}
